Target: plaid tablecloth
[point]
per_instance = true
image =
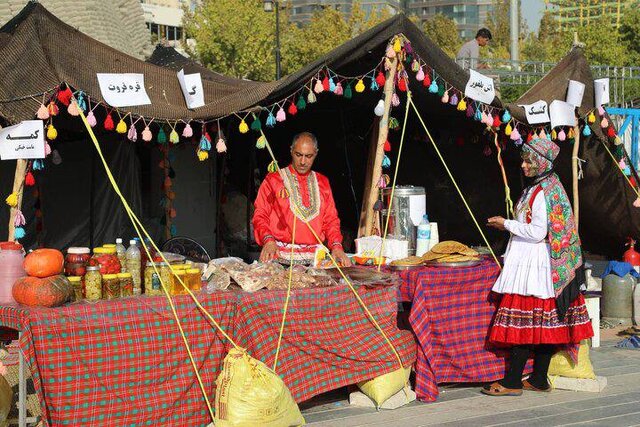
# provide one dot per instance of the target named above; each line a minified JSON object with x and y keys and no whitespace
{"x":123,"y":363}
{"x":451,"y":313}
{"x":328,"y":341}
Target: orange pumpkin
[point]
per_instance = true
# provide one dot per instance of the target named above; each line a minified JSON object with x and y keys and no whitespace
{"x":48,"y":292}
{"x":44,"y":263}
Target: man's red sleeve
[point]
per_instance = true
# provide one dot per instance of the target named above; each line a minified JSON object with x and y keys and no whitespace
{"x":263,"y":208}
{"x":331,"y":222}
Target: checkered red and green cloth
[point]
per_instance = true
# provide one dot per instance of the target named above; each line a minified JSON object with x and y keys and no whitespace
{"x":123,"y":362}
{"x":451,"y":314}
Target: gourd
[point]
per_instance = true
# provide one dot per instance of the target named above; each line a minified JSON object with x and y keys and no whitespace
{"x":47,"y":292}
{"x":44,"y":263}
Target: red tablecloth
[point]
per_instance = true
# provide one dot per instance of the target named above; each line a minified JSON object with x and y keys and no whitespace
{"x":451,"y":314}
{"x":123,"y":362}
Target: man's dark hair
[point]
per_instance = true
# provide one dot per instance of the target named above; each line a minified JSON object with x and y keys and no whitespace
{"x":483,"y":32}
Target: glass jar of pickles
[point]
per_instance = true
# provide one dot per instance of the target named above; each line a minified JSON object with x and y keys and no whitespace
{"x":176,"y":287}
{"x":76,"y":282}
{"x":152,"y":278}
{"x":110,"y":286}
{"x":126,"y":284}
{"x":93,"y":283}
{"x":107,"y":259}
{"x":194,"y":278}
{"x":75,"y":261}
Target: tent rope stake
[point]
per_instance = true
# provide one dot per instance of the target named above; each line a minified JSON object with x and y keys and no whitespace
{"x":444,"y":163}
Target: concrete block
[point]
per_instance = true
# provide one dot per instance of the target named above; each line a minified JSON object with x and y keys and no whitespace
{"x":401,"y":398}
{"x":579,"y":384}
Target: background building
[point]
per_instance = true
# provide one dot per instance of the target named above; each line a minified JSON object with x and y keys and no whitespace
{"x":164,"y":19}
{"x":118,"y":24}
{"x":581,"y":12}
{"x":469,"y":15}
{"x":301,"y":11}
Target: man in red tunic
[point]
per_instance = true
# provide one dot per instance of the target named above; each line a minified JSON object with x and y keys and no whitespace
{"x":310,"y":194}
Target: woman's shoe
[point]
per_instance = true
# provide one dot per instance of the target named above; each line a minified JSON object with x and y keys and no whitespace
{"x":528,"y":386}
{"x":496,"y":389}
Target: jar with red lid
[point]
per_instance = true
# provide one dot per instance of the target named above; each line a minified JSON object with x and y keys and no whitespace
{"x":76,"y":260}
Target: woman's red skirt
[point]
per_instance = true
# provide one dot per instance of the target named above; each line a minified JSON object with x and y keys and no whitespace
{"x":531,"y":320}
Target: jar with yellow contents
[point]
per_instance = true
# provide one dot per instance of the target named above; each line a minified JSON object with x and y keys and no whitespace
{"x":126,"y":284}
{"x":152,"y":277}
{"x":93,"y":283}
{"x":194,"y":278}
{"x":176,"y":287}
{"x":110,"y":286}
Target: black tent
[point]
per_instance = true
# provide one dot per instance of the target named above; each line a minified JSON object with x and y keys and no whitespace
{"x":40,"y":51}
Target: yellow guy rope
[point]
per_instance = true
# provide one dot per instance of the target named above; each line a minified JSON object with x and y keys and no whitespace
{"x":136,"y":223}
{"x":286,"y":302}
{"x":346,"y":279}
{"x":454,"y":183}
{"x":395,"y":175}
{"x":621,"y":171}
{"x":507,"y":190}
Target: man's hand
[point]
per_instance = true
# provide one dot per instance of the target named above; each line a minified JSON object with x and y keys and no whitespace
{"x":339,"y":255}
{"x":496,"y":222}
{"x":269,"y":251}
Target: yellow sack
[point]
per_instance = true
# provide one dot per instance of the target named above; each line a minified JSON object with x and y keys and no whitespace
{"x":250,"y":394}
{"x":562,"y":365}
{"x":381,"y":388}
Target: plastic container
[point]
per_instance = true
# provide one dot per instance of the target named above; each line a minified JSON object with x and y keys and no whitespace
{"x":134,"y":266}
{"x":617,"y":299}
{"x":11,"y":259}
{"x":636,"y":304}
{"x":424,"y":236}
{"x":121,"y":253}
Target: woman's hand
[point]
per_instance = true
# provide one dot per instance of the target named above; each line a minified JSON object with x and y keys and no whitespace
{"x":496,"y":222}
{"x":269,"y":251}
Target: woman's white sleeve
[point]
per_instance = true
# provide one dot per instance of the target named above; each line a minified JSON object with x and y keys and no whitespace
{"x":536,"y":231}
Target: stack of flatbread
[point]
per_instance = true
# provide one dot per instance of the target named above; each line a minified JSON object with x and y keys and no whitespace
{"x":450,"y":251}
{"x":408,"y":261}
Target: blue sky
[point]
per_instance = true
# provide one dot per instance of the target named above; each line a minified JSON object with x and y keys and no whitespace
{"x":532,"y":12}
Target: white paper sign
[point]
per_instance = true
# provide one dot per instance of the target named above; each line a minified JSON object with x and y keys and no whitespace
{"x":562,"y":114}
{"x":575,"y":93}
{"x":123,"y":90}
{"x":536,"y":113}
{"x":22,"y":141}
{"x":480,"y":88}
{"x":191,"y":85}
{"x":417,"y":208}
{"x":601,"y":90}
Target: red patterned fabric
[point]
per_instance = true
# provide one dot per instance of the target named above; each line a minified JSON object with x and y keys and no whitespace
{"x":451,"y":314}
{"x":530,"y":320}
{"x":123,"y":362}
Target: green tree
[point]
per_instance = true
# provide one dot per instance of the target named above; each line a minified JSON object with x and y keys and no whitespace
{"x":443,"y":31}
{"x":630,"y":31}
{"x":499,"y":24}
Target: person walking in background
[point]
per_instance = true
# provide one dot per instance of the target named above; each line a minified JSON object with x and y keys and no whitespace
{"x":469,"y":54}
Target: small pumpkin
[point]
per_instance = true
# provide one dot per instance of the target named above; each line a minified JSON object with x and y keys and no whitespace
{"x":50,"y":291}
{"x":44,"y":263}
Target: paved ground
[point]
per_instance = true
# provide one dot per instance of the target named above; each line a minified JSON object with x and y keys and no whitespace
{"x":617,"y":405}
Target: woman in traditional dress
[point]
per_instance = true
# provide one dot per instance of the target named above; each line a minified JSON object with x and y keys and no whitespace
{"x":541,"y":306}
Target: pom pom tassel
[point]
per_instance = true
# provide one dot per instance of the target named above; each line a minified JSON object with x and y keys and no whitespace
{"x":91,"y":119}
{"x":29,"y":180}
{"x":108,"y":122}
{"x":12,"y":200}
{"x":174,"y":138}
{"x":19,"y":233}
{"x":146,"y":134}
{"x":121,"y":127}
{"x":187,"y":132}
{"x":43,"y":112}
{"x":52,"y":133}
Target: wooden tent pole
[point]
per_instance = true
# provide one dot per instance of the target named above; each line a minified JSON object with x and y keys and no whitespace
{"x":18,"y":182}
{"x":369,"y":199}
{"x":574,"y":173}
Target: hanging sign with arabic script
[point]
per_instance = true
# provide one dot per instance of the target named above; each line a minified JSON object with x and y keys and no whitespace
{"x":22,"y":141}
{"x":480,"y":88}
{"x":191,"y":85}
{"x":536,"y":113}
{"x":123,"y":90}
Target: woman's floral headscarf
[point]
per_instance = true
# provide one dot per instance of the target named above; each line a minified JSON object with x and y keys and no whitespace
{"x":564,"y":241}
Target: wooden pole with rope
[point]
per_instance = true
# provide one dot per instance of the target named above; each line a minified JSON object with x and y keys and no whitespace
{"x":374,"y":170}
{"x":574,"y":155}
{"x":18,"y":185}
